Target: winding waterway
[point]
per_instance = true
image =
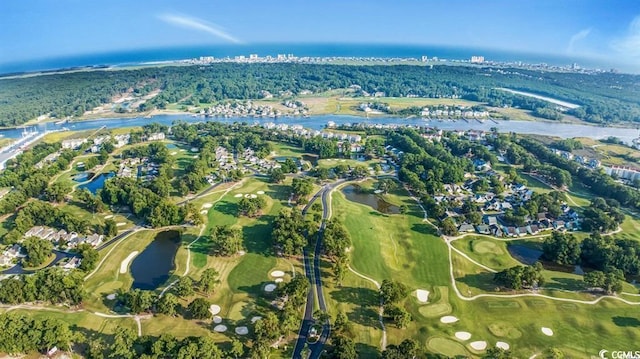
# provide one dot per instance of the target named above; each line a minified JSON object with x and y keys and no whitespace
{"x":565,"y":130}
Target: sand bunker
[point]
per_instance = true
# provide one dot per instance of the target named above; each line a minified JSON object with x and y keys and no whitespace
{"x":214,"y":309}
{"x":242,"y":330}
{"x":194,"y":149}
{"x":253,"y":196}
{"x":207,"y":205}
{"x":220,"y":328}
{"x":247,"y":196}
{"x":260,"y":192}
{"x":241,"y":253}
{"x":195,"y":156}
{"x":255,"y":319}
{"x":238,"y":195}
{"x":479,"y":345}
{"x":204,"y":211}
{"x":270,"y":287}
{"x":378,"y":191}
{"x":503,"y":345}
{"x":125,"y":263}
{"x":108,"y":216}
{"x":277,"y":273}
{"x":217,"y":319}
{"x":111,"y":296}
{"x":547,"y":331}
{"x":120,"y":224}
{"x":423,"y":295}
{"x":279,"y":280}
{"x":463,"y":335}
{"x":174,"y":153}
{"x":447,"y":319}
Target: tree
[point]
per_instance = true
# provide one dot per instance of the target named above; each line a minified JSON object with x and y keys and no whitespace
{"x":122,"y":346}
{"x":341,"y":323}
{"x":392,"y":291}
{"x":561,"y":248}
{"x":289,"y":229}
{"x":208,"y":280}
{"x":520,"y":277}
{"x":610,"y":282}
{"x":387,"y":185}
{"x":139,"y":301}
{"x":38,"y":251}
{"x":301,"y":187}
{"x":167,"y":304}
{"x":276,"y":175}
{"x":89,"y":256}
{"x":449,"y":227}
{"x":408,"y":349}
{"x":110,"y":228}
{"x":343,"y":348}
{"x":251,"y":207}
{"x":498,"y":353}
{"x":199,"y":309}
{"x":57,"y":191}
{"x":237,"y":349}
{"x":184,"y":287}
{"x":552,"y":353}
{"x":226,"y":240}
{"x":400,"y":316}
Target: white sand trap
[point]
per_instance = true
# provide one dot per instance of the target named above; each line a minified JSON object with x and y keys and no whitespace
{"x":111,"y":296}
{"x":277,"y":273}
{"x":238,"y":195}
{"x":463,"y":335}
{"x":195,"y":156}
{"x":220,"y":328}
{"x":183,"y":150}
{"x":207,"y":205}
{"x":479,"y":345}
{"x":547,"y":331}
{"x":270,"y":287}
{"x":214,"y":309}
{"x":242,"y":330}
{"x":217,"y":319}
{"x":260,"y":192}
{"x":503,"y":345}
{"x":125,"y":263}
{"x":120,"y":224}
{"x":253,"y":196}
{"x":279,"y":280}
{"x":174,"y":153}
{"x":247,"y":196}
{"x":255,"y":319}
{"x":194,"y":149}
{"x":204,"y":211}
{"x":377,"y":191}
{"x":108,"y":216}
{"x":447,"y":319}
{"x":241,"y":253}
{"x":423,"y":295}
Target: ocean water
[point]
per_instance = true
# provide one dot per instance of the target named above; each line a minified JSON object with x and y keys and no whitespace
{"x":132,"y":57}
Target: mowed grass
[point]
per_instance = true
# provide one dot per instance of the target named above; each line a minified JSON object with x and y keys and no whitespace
{"x":489,"y":252}
{"x":581,"y":330}
{"x":108,"y":279}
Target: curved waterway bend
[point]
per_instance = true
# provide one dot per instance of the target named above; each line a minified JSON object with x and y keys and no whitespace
{"x":565,"y":130}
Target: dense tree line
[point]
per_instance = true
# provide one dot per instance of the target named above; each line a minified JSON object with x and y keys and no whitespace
{"x":605,"y":97}
{"x":22,"y":334}
{"x":289,"y":231}
{"x":52,"y":285}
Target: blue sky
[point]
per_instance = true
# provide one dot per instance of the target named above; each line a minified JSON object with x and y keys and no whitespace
{"x":605,"y":29}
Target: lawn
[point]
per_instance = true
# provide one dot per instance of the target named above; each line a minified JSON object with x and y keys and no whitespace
{"x":420,"y":260}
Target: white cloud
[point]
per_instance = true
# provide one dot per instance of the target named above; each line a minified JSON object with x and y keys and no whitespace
{"x":198,"y":24}
{"x":629,"y":45}
{"x":576,"y":38}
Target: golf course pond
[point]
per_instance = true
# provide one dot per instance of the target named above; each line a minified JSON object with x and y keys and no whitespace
{"x":524,"y":254}
{"x":355,"y":194}
{"x":151,"y":268}
{"x":97,"y":182}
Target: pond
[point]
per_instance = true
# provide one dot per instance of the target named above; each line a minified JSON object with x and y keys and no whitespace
{"x":151,"y":268}
{"x":355,"y":194}
{"x":524,"y":254}
{"x":171,"y":146}
{"x":82,"y":176}
{"x":97,"y":183}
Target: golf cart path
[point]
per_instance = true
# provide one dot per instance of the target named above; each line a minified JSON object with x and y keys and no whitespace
{"x":383,"y":345}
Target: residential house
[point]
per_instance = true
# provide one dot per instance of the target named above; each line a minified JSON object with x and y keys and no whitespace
{"x":73,"y":144}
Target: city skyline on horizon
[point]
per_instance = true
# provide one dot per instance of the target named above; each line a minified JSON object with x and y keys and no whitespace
{"x":593,"y":30}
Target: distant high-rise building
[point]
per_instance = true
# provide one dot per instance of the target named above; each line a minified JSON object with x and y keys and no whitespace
{"x":425,"y":58}
{"x":253,"y":56}
{"x":477,"y":59}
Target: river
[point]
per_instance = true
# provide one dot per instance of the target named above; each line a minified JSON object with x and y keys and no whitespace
{"x":564,"y":130}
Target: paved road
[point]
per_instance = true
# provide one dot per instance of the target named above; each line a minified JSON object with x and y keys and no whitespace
{"x":18,"y":269}
{"x":316,"y":281}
